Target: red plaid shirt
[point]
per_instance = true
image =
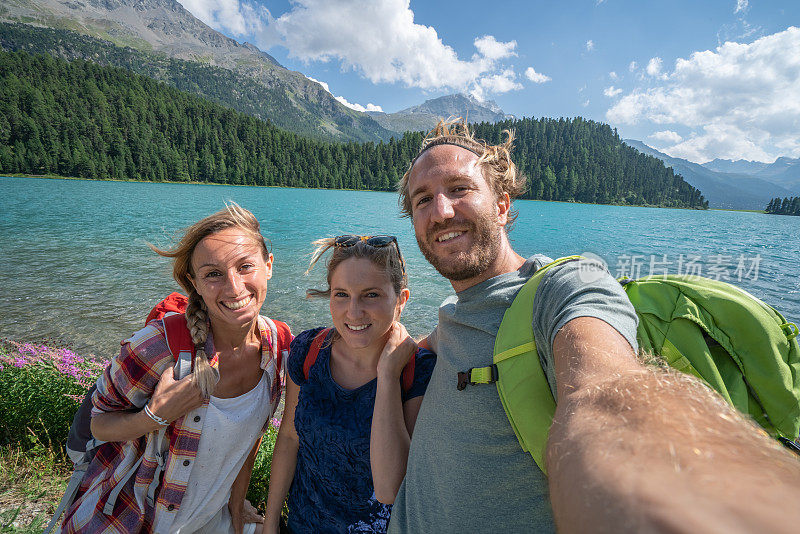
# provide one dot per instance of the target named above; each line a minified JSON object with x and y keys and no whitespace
{"x":127,"y":384}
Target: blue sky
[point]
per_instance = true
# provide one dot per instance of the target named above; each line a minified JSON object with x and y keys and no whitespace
{"x":698,"y":80}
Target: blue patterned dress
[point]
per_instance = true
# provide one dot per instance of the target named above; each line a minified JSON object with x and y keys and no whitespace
{"x":332,"y":488}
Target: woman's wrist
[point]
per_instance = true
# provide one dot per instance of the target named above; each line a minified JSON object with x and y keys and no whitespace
{"x":272,"y":519}
{"x":389,"y":377}
{"x":160,"y":421}
{"x":147,"y":424}
{"x":387,"y":371}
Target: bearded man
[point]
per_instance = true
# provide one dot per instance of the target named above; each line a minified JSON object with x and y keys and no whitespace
{"x":631,"y":449}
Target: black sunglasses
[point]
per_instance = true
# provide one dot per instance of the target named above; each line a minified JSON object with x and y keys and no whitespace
{"x":377,"y":241}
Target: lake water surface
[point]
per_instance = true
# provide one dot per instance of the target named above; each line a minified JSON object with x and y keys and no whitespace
{"x":76,"y":267}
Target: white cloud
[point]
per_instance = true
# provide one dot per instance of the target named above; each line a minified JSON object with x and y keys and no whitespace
{"x":738,"y":101}
{"x":380,"y":40}
{"x":358,"y":107}
{"x":536,"y":77}
{"x":666,"y":136}
{"x":585,"y":103}
{"x":654,"y":67}
{"x":589,"y":45}
{"x":232,"y":17}
{"x":491,"y":48}
{"x":613,"y":75}
{"x":612,"y":91}
{"x":722,"y":141}
{"x":502,"y":82}
{"x":323,"y":84}
{"x":632,"y":66}
{"x":741,"y":5}
{"x":342,"y":100}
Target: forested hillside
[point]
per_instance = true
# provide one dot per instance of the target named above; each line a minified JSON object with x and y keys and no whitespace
{"x":322,"y":119}
{"x":85,"y":120}
{"x":785,"y":206}
{"x":585,"y":161}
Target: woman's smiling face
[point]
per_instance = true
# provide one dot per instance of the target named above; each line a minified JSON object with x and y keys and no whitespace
{"x":230,"y":273}
{"x":363,"y":303}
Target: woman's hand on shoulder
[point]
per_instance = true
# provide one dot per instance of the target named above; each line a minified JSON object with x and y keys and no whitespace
{"x":174,"y":398}
{"x":399,"y":349}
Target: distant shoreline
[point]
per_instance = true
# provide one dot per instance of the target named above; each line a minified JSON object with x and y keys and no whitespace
{"x":58,"y":177}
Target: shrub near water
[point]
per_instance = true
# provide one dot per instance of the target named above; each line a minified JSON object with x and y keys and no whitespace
{"x":259,"y":481}
{"x":40,"y":387}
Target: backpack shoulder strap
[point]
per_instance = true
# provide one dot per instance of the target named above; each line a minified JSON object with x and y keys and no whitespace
{"x":280,"y":337}
{"x":179,"y":341}
{"x":521,"y":382}
{"x":313,"y":351}
{"x":173,"y":303}
{"x":515,"y":335}
{"x":285,"y":336}
{"x":408,"y":372}
{"x":284,"y":340}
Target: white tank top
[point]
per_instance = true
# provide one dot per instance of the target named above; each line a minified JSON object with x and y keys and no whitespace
{"x":229,"y":433}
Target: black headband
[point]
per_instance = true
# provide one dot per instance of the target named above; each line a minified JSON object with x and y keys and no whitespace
{"x":473,"y":146}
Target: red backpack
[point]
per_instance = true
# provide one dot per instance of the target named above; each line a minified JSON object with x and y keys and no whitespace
{"x":179,"y":338}
{"x":316,"y":345}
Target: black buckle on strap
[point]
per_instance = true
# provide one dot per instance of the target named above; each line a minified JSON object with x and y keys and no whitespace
{"x":464,"y":378}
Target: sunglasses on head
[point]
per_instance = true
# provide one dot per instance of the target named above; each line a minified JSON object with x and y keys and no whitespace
{"x":377,"y":241}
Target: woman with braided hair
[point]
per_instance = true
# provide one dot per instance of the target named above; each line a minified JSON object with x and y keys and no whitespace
{"x":196,"y":480}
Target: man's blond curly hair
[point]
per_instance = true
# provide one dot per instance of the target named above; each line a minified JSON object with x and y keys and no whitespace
{"x":495,"y":160}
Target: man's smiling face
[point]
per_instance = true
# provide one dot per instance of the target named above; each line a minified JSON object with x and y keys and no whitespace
{"x":458,"y":220}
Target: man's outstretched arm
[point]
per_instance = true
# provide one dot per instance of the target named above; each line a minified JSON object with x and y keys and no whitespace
{"x":638,"y":449}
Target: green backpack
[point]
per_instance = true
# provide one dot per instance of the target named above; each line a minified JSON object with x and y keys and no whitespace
{"x":738,"y":345}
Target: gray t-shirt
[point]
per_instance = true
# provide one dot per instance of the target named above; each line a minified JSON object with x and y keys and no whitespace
{"x":466,"y":470}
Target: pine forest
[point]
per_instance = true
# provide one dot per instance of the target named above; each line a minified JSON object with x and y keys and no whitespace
{"x":84,"y":120}
{"x":784,"y":206}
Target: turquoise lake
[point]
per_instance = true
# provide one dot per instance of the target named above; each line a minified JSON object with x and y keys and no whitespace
{"x":76,"y":267}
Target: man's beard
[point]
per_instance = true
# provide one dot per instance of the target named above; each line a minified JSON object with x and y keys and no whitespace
{"x":465,"y":265}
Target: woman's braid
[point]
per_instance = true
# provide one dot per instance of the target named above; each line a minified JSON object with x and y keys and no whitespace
{"x":197,"y":322}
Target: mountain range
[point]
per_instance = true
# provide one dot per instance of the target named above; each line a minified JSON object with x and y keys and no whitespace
{"x":783,"y":171}
{"x":164,"y":29}
{"x":161,"y":39}
{"x":734,"y":185}
{"x":425,"y":116}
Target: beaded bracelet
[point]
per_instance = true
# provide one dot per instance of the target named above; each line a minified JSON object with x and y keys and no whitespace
{"x":149,"y":413}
